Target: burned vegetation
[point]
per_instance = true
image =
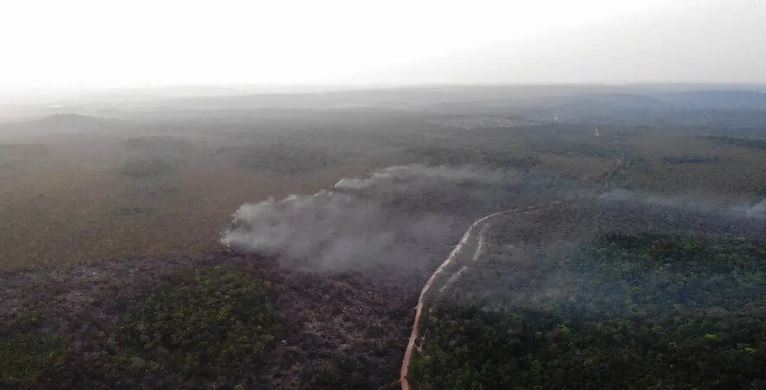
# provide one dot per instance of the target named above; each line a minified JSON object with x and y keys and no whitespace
{"x":222,"y":322}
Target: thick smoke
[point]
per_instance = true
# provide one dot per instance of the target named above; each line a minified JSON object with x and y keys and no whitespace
{"x":711,"y":206}
{"x":757,"y":211}
{"x":409,"y":216}
{"x":399,"y":216}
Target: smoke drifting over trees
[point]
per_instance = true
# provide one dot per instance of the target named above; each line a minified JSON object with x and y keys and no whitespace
{"x":719,"y":208}
{"x":392,"y":216}
{"x":632,"y":210}
{"x":401,"y":214}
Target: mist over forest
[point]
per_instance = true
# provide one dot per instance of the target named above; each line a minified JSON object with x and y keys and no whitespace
{"x":499,"y":236}
{"x":414,"y":195}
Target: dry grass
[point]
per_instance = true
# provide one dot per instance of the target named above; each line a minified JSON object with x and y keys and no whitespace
{"x":73,"y":202}
{"x":73,"y":197}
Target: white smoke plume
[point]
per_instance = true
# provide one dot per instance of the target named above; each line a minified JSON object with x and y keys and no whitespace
{"x":396,"y":216}
{"x":757,"y":211}
{"x":407,"y":216}
{"x":711,"y":206}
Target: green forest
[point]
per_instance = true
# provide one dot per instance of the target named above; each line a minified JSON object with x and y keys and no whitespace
{"x":647,"y":311}
{"x":194,"y":329}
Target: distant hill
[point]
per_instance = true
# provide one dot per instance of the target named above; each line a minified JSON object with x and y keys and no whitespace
{"x":716,"y":100}
{"x":61,"y":124}
{"x":71,"y":122}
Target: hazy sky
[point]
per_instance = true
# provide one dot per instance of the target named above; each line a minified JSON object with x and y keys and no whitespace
{"x":83,"y":43}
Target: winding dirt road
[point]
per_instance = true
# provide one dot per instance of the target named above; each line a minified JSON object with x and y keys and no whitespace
{"x":468,"y":241}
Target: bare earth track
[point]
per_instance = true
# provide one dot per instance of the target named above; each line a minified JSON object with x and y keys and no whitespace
{"x":456,"y":259}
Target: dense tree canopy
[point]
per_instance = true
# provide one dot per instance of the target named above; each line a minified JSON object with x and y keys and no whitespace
{"x":648,"y":311}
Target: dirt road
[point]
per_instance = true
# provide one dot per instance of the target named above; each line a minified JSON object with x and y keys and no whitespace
{"x":468,"y":250}
{"x":469,"y":243}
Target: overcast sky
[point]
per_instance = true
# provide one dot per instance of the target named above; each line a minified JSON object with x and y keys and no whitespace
{"x":82,"y":43}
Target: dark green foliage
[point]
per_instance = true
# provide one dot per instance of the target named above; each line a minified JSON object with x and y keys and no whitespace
{"x":620,"y":175}
{"x":147,"y":167}
{"x":283,"y":158}
{"x":647,"y":311}
{"x":745,"y":142}
{"x":26,"y":353}
{"x":501,"y":159}
{"x":215,"y":323}
{"x":338,"y":373}
{"x":580,"y":149}
{"x":25,"y":357}
{"x":652,"y":274}
{"x":679,"y":160}
{"x":24,"y":321}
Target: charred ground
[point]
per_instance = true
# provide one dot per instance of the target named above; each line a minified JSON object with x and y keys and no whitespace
{"x":223,"y":321}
